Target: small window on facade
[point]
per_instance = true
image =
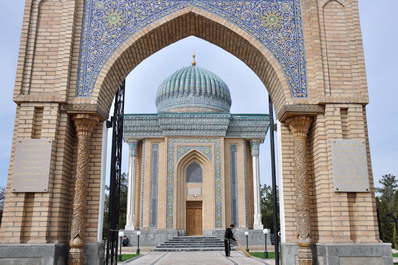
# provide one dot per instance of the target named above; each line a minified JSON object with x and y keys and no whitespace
{"x":194,"y":173}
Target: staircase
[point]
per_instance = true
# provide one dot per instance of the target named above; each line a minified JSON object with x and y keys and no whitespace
{"x":191,"y":243}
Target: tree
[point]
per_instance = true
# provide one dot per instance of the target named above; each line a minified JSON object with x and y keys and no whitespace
{"x":387,"y":228}
{"x":122,"y":205}
{"x":267,"y":210}
{"x":387,"y":203}
{"x":2,"y":197}
{"x":389,"y":186}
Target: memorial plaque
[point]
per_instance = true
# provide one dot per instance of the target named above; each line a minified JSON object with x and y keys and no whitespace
{"x":350,"y":165}
{"x":32,"y":165}
{"x":194,"y":191}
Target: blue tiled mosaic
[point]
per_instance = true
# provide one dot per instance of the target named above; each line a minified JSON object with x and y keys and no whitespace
{"x":142,"y":184}
{"x":206,"y":150}
{"x":277,"y":24}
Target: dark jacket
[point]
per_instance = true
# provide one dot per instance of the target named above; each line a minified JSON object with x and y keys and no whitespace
{"x":229,"y":234}
{"x":125,"y":242}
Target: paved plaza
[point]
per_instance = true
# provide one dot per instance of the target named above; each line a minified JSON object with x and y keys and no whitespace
{"x":193,"y":258}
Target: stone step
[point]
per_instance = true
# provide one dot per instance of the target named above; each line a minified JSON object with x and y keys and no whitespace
{"x":189,"y":246}
{"x":194,"y":238}
{"x":198,"y":242}
{"x":191,"y":243}
{"x":189,"y":249}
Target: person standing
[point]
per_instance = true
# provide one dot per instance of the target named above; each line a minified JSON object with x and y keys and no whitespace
{"x":227,"y":239}
{"x":125,"y":241}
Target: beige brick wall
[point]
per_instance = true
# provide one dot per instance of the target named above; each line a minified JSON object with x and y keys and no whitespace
{"x":335,"y":216}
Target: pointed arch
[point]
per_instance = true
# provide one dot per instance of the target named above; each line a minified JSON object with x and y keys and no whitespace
{"x":207,"y":195}
{"x":197,"y":22}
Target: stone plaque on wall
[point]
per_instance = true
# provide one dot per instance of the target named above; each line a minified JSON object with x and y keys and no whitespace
{"x":32,"y":165}
{"x":194,"y":191}
{"x":350,"y":165}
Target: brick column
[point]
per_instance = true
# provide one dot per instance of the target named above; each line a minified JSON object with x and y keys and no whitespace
{"x":255,"y":148}
{"x":299,"y":126}
{"x":84,"y":123}
{"x":130,"y":190}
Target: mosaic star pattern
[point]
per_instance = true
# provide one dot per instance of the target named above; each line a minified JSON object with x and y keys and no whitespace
{"x":277,"y":24}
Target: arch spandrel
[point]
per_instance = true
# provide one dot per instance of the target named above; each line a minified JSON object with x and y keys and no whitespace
{"x":273,"y":28}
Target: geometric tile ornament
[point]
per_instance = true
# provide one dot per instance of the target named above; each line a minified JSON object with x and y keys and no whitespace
{"x":142,"y":184}
{"x":182,"y":150}
{"x":246,"y":193}
{"x":204,"y":124}
{"x":171,"y":161}
{"x":277,"y":24}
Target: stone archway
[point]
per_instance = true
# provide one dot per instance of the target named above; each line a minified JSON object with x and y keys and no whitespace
{"x":261,"y":61}
{"x":291,"y":45}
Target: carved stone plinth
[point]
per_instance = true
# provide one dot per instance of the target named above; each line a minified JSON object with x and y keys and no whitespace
{"x":299,"y":126}
{"x":84,"y":123}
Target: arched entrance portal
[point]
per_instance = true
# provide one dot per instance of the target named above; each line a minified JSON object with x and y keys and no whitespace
{"x":299,"y":49}
{"x":195,"y":177}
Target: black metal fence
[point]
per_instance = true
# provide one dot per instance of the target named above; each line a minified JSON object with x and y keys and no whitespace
{"x":116,"y":123}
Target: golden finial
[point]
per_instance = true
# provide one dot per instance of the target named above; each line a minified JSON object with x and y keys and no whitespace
{"x":193,"y":59}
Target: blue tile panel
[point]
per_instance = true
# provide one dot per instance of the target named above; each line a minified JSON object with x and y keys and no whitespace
{"x":142,"y":184}
{"x":277,"y":24}
{"x":154,"y":190}
{"x":234,"y":186}
{"x":246,"y":192}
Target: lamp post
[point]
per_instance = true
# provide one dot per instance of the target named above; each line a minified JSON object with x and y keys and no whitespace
{"x":247,"y":240}
{"x":138,"y":242}
{"x":265,"y":232}
{"x":121,"y":235}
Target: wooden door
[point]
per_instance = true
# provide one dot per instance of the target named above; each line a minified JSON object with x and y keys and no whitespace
{"x":194,"y":218}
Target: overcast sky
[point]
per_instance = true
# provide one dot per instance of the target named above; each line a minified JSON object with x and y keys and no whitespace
{"x":379,"y":28}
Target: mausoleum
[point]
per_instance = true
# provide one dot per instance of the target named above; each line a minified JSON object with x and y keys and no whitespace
{"x":193,"y":166}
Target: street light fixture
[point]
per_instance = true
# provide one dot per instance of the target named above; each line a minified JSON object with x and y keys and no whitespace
{"x":247,"y":240}
{"x":138,"y":242}
{"x":121,"y":235}
{"x":265,"y":232}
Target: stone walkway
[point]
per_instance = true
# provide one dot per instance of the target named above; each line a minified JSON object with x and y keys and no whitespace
{"x":195,"y":258}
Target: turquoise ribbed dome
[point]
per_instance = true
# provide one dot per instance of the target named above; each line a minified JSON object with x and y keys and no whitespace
{"x":193,"y":89}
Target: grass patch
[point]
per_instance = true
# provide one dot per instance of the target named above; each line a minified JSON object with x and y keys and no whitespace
{"x":271,"y":255}
{"x":395,"y":255}
{"x":128,"y":256}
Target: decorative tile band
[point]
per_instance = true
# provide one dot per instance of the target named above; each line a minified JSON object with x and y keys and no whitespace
{"x":234,"y":190}
{"x":154,"y":191}
{"x":245,"y":175}
{"x":277,"y":24}
{"x":171,"y":160}
{"x":205,"y":124}
{"x":142,"y":184}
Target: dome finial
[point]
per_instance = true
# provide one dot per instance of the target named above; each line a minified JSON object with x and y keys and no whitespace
{"x":193,"y":59}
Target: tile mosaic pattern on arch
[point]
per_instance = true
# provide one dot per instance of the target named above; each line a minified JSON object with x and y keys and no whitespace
{"x":277,"y":24}
{"x":206,"y":150}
